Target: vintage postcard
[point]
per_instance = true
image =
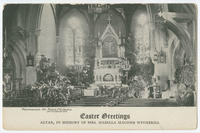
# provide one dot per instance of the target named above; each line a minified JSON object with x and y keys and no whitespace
{"x":98,"y":66}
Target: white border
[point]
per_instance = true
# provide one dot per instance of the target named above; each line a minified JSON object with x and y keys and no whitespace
{"x":197,"y":2}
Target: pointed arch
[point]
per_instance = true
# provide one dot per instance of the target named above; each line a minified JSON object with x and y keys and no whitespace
{"x":73,"y":31}
{"x":117,"y":22}
{"x":140,"y":34}
{"x":47,"y":38}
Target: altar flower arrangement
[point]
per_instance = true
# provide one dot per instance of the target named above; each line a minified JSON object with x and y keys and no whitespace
{"x":51,"y":88}
{"x":185,"y":77}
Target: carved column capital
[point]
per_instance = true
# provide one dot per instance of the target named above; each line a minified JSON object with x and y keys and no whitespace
{"x":18,"y":33}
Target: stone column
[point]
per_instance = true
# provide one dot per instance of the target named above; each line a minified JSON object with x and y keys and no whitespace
{"x":31,"y":76}
{"x":100,"y":49}
{"x":32,"y":41}
{"x":18,"y":83}
{"x":57,"y":52}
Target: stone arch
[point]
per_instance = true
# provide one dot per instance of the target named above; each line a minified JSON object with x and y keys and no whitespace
{"x":117,"y":23}
{"x":148,"y":10}
{"x":174,"y":48}
{"x":182,"y":34}
{"x":173,"y":44}
{"x":173,"y":26}
{"x":116,"y":12}
{"x":78,"y":36}
{"x":27,"y":20}
{"x":69,"y":9}
{"x":38,"y":13}
{"x":140,"y":34}
{"x":46,"y":40}
{"x":182,"y":47}
{"x":33,"y":25}
{"x":68,"y":14}
{"x":19,"y":60}
{"x":179,"y":52}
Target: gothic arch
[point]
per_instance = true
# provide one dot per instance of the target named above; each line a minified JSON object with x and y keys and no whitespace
{"x":69,"y":9}
{"x":118,"y":19}
{"x":34,"y":15}
{"x":22,"y":36}
{"x":181,"y":48}
{"x":181,"y":34}
{"x":47,"y":29}
{"x":177,"y":29}
{"x":140,"y":34}
{"x":116,"y":12}
{"x":33,"y":25}
{"x":150,"y":21}
{"x":68,"y":13}
{"x":19,"y":62}
{"x":74,"y":30}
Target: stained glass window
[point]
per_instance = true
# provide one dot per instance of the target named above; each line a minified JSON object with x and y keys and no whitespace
{"x":74,"y":35}
{"x":140,"y":29}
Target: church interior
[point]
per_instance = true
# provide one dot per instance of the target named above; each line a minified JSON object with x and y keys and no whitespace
{"x":99,"y":55}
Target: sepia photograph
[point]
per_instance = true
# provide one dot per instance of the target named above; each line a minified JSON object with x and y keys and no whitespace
{"x":99,"y":55}
{"x":99,"y":66}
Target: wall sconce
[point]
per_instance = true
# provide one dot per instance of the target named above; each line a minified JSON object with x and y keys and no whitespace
{"x":30,"y":60}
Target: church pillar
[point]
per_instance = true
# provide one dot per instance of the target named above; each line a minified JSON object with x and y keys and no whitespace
{"x":32,"y":49}
{"x":100,"y":49}
{"x":119,"y":51}
{"x":57,"y":54}
{"x":16,"y":84}
{"x":31,"y":76}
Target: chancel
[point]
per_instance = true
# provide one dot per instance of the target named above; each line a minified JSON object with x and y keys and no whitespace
{"x":126,"y":55}
{"x":110,"y":57}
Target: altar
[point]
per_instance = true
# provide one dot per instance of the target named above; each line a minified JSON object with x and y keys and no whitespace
{"x":110,"y":58}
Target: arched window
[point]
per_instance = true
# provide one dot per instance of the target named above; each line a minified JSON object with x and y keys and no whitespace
{"x":140,"y":32}
{"x":47,"y":37}
{"x":117,"y":22}
{"x":74,"y":32}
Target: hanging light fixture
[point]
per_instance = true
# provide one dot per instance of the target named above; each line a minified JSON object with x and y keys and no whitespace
{"x":30,"y":60}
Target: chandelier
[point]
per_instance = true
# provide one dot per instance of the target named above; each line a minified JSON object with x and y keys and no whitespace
{"x":98,"y":8}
